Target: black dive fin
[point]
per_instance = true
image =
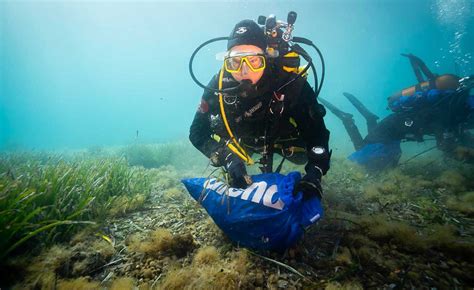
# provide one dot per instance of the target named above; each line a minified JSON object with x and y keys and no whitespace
{"x":370,"y":117}
{"x":348,"y":123}
{"x":417,"y":64}
{"x":340,"y":114}
{"x":360,"y":107}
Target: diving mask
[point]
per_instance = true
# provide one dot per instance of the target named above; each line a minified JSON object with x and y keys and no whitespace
{"x":233,"y":63}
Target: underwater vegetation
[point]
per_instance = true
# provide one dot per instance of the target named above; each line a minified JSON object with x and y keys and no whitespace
{"x":131,"y":227}
{"x":47,"y":200}
{"x":464,"y":154}
{"x":407,"y":227}
{"x":79,"y":258}
{"x":209,"y":271}
{"x":161,"y":242}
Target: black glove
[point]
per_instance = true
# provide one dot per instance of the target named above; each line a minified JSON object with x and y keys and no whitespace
{"x":234,"y":166}
{"x":310,"y":184}
{"x":237,"y":171}
{"x":318,"y":164}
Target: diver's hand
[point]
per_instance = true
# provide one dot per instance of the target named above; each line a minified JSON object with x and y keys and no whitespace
{"x":310,"y":184}
{"x":237,"y":171}
{"x":309,"y":188}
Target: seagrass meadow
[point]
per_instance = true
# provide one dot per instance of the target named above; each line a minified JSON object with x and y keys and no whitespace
{"x":119,"y":218}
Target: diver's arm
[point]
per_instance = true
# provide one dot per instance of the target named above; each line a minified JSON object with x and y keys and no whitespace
{"x":308,"y":115}
{"x":200,"y":135}
{"x":200,"y":132}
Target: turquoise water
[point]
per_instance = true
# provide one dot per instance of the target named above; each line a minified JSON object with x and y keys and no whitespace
{"x":97,"y":98}
{"x":80,"y":74}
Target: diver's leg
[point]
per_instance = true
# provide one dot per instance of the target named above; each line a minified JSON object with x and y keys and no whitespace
{"x":393,"y":127}
{"x":426,"y":71}
{"x":340,"y":114}
{"x":415,"y":67}
{"x":418,"y":64}
{"x":370,"y":117}
{"x":348,"y":123}
{"x":382,"y":147}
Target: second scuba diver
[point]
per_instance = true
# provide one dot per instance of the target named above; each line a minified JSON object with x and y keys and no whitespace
{"x":440,"y":106}
{"x":270,"y":111}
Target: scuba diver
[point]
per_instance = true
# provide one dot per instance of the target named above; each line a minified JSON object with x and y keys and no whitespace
{"x":440,"y":106}
{"x":260,"y":102}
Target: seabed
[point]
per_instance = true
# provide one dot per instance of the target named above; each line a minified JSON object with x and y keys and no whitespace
{"x":119,"y":218}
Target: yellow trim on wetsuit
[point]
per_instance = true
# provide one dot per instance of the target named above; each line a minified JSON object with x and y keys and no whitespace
{"x":235,"y":147}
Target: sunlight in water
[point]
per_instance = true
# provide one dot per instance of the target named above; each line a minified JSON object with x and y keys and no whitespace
{"x":453,"y":15}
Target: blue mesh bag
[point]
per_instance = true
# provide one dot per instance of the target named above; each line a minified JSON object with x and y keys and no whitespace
{"x":264,"y":216}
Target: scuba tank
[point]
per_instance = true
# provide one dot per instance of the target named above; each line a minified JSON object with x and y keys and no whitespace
{"x":403,"y":99}
{"x":278,"y":37}
{"x":284,"y":54}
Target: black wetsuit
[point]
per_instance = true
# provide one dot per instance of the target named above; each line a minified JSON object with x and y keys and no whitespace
{"x":438,"y":118}
{"x":263,"y":120}
{"x":447,"y":117}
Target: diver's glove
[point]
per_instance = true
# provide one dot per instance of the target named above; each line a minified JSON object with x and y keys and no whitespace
{"x":310,"y":184}
{"x":318,"y":165}
{"x":233,"y":165}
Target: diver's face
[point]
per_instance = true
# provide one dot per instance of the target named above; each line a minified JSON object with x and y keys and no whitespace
{"x":245,"y":72}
